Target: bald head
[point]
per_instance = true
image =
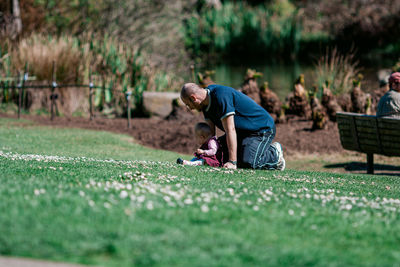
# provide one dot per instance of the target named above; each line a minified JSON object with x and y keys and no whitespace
{"x":194,"y":96}
{"x":189,"y":89}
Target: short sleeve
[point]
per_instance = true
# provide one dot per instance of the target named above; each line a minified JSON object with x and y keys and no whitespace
{"x":225,"y":101}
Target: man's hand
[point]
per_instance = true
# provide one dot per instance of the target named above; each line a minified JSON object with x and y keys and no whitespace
{"x":230,"y":165}
{"x":200,"y":151}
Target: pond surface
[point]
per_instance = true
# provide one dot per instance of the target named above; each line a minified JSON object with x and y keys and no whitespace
{"x":281,"y":77}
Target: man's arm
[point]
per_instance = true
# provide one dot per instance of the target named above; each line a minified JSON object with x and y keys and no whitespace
{"x":229,"y":127}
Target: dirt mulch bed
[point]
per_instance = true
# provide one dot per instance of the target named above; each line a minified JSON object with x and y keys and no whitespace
{"x":176,"y":133}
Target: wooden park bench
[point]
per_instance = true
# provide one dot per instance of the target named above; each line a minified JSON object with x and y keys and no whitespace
{"x":369,"y":134}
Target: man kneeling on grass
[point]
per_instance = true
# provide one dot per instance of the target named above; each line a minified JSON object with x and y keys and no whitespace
{"x":249,"y":129}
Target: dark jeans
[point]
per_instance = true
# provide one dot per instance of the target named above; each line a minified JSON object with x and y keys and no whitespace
{"x":254,"y":150}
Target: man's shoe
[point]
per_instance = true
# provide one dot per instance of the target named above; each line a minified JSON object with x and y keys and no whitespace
{"x":281,"y":161}
{"x":179,"y":161}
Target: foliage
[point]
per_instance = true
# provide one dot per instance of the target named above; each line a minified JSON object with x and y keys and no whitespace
{"x":64,"y":16}
{"x":237,"y":28}
{"x":95,"y":198}
{"x":152,"y":26}
{"x":364,"y":24}
{"x":337,"y":70}
{"x":115,"y":67}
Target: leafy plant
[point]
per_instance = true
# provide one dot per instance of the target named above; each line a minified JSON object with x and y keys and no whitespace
{"x":338,"y":70}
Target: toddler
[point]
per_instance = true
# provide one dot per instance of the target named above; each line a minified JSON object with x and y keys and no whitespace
{"x":209,"y":153}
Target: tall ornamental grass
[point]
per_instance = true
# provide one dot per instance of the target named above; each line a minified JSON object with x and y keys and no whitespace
{"x":40,"y":52}
{"x":337,"y":69}
{"x":236,"y":28}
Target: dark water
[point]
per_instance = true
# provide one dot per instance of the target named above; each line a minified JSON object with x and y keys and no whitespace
{"x":281,"y":76}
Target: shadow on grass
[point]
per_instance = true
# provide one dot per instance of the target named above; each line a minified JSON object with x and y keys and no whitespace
{"x":361,"y":167}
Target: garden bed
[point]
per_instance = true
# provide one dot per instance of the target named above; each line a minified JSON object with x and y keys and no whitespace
{"x":177,"y":134}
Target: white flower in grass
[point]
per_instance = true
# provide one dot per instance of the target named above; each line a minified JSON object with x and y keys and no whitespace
{"x":36,"y":192}
{"x":291,"y":212}
{"x":81,"y":193}
{"x":129,"y":187}
{"x":123,"y":194}
{"x":204,"y":208}
{"x":149,"y":205}
{"x":107,"y":205}
{"x":91,"y":203}
{"x":141,"y":199}
{"x":268,"y":192}
{"x":230,"y":191}
{"x":188,"y":201}
{"x":256,"y":208}
{"x":167,"y":199}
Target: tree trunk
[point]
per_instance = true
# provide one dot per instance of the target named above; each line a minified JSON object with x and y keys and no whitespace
{"x":16,"y":12}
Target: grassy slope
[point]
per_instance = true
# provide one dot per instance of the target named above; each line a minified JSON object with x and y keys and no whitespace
{"x":97,"y":211}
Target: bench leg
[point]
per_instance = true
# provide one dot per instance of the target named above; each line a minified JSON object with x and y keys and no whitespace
{"x":370,"y":163}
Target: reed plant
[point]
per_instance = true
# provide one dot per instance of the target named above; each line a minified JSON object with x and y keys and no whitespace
{"x":339,"y":70}
{"x":235,"y":28}
{"x":41,"y":51}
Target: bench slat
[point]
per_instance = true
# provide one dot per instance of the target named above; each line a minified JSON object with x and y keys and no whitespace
{"x":363,"y":139}
{"x":370,"y":122}
{"x":363,"y":129}
{"x":344,"y":126}
{"x":367,"y":148}
{"x":391,"y":151}
{"x":350,"y":146}
{"x":391,"y":138}
{"x":364,"y":135}
{"x":389,"y":132}
{"x":390,"y":143}
{"x":345,"y":133}
{"x":374,"y":142}
{"x":389,"y":123}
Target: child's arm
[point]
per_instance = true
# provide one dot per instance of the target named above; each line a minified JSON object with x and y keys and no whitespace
{"x":212,"y":149}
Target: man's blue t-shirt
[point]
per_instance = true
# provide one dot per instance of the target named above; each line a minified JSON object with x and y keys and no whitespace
{"x":248,"y":115}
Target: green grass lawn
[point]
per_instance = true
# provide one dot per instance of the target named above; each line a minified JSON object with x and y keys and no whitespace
{"x":97,"y":198}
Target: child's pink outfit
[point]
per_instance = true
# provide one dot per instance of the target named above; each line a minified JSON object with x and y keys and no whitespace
{"x":212,"y":153}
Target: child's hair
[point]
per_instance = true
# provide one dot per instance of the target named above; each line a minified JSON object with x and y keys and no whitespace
{"x":203,"y":129}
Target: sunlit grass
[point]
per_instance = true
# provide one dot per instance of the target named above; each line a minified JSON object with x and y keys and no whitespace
{"x":79,"y":202}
